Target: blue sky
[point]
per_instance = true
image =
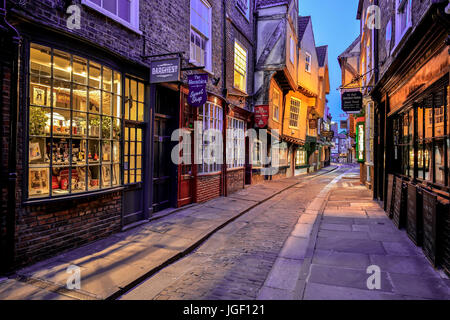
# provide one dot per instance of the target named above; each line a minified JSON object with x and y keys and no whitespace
{"x":335,"y":25}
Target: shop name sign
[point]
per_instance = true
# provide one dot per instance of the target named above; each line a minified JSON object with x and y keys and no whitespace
{"x":167,"y":70}
{"x":261,"y":116}
{"x":352,"y":101}
{"x":197,"y":89}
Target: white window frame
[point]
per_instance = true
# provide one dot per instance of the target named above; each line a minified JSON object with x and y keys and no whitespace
{"x":235,"y":143}
{"x":292,"y":113}
{"x":277,"y":104}
{"x":237,"y":43}
{"x":308,"y":64}
{"x":134,"y":14}
{"x":217,"y":120}
{"x":407,"y":10}
{"x":208,"y":47}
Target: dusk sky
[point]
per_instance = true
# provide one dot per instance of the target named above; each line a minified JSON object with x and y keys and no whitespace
{"x":335,"y":25}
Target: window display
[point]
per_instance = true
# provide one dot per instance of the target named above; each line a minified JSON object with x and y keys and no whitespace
{"x":74,"y":124}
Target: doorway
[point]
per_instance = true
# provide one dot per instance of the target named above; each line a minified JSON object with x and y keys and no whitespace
{"x":134,"y":151}
{"x":164,"y":170}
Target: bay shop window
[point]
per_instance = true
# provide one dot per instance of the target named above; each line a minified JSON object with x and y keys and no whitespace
{"x":431,"y":136}
{"x":75,"y":124}
{"x":211,"y":117}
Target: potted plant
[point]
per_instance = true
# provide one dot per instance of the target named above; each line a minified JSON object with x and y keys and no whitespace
{"x":38,"y":121}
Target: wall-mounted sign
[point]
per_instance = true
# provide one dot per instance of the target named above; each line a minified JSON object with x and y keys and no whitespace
{"x":168,"y":70}
{"x":261,"y":116}
{"x":352,"y":101}
{"x":360,"y":142}
{"x":197,"y":89}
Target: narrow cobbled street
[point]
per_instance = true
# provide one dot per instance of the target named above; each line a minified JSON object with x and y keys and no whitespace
{"x":312,"y":241}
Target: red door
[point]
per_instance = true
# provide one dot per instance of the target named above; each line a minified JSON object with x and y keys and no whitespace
{"x":185,"y":171}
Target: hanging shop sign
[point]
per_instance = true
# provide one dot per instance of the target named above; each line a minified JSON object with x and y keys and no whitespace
{"x":352,"y":101}
{"x":360,"y":142}
{"x":261,"y":116}
{"x":313,"y":124}
{"x":197,"y":89}
{"x":167,"y":70}
{"x":344,"y":125}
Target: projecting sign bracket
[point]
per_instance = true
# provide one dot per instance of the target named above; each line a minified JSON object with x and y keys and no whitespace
{"x":180,"y":54}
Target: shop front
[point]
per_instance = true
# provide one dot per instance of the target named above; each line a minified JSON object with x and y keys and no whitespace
{"x":83,"y":144}
{"x":416,"y":185}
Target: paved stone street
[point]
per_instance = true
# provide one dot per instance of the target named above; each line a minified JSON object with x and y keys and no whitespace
{"x":307,"y":237}
{"x":312,"y":241}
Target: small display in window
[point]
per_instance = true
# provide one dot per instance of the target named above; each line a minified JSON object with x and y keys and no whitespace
{"x":38,"y":96}
{"x":38,"y":181}
{"x":35,"y":151}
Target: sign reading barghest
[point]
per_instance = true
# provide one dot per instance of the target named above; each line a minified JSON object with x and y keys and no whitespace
{"x":167,"y":70}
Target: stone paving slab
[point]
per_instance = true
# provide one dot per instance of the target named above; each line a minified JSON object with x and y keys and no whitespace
{"x":352,"y":238}
{"x":345,"y":277}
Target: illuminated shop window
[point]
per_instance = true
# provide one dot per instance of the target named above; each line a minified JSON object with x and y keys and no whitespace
{"x":74,"y":124}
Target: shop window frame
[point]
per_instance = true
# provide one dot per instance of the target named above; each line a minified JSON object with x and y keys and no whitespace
{"x":50,"y":197}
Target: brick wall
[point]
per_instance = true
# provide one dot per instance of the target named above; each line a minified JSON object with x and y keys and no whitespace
{"x":4,"y":133}
{"x":208,"y":187}
{"x":45,"y":230}
{"x":419,"y":8}
{"x":235,"y":180}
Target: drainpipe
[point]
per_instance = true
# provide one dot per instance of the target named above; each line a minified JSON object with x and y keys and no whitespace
{"x":12,"y":146}
{"x":225,"y":95}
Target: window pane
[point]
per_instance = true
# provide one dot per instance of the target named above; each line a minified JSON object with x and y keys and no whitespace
{"x":79,"y":70}
{"x":140,"y":112}
{"x":79,"y":97}
{"x":94,"y":151}
{"x":116,"y":175}
{"x":40,"y":91}
{"x":79,"y":148}
{"x":116,"y":129}
{"x":94,"y":101}
{"x":116,"y":152}
{"x":125,"y":9}
{"x":62,"y":67}
{"x":61,"y":181}
{"x":38,"y":184}
{"x":106,"y":127}
{"x":79,"y":179}
{"x":106,"y":103}
{"x":117,"y":83}
{"x":79,"y":127}
{"x":40,"y":61}
{"x":107,"y":79}
{"x":94,"y":177}
{"x":133,"y":111}
{"x":117,"y":106}
{"x":61,"y":123}
{"x":94,"y":126}
{"x":94,"y":75}
{"x":61,"y":94}
{"x":39,"y":121}
{"x":110,"y":5}
{"x":106,"y":176}
{"x":141,"y":92}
